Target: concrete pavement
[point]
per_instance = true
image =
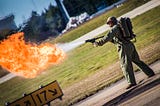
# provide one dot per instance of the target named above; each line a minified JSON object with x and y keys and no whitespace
{"x":116,"y":94}
{"x":146,"y":95}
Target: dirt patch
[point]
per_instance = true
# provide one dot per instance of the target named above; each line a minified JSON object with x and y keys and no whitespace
{"x":150,"y":52}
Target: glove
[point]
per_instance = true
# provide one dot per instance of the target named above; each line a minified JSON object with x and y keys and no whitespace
{"x":95,"y":44}
{"x":99,"y":43}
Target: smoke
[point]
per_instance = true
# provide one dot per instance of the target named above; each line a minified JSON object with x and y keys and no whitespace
{"x":69,"y":46}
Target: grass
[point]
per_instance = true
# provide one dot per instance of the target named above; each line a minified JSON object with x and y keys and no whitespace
{"x":99,"y":21}
{"x":94,"y":23}
{"x":84,"y":71}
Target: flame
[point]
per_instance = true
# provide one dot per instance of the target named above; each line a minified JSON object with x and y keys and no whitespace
{"x":25,"y":59}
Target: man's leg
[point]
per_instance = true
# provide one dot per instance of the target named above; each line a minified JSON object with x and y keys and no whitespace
{"x":127,"y":69}
{"x":144,"y":67}
{"x":126,"y":65}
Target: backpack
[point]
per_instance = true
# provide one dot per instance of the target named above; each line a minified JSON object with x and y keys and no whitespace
{"x":126,"y":28}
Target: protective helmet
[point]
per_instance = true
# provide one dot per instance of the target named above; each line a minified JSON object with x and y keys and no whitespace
{"x":112,"y":19}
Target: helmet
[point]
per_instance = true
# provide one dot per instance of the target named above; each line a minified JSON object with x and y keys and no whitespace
{"x":112,"y":19}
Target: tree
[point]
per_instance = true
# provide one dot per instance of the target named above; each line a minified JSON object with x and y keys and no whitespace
{"x":40,"y":27}
{"x":54,"y":19}
{"x":32,"y":26}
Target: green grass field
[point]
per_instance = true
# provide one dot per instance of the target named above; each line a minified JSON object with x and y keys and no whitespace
{"x":94,"y":23}
{"x":86,"y":61}
{"x":99,"y":21}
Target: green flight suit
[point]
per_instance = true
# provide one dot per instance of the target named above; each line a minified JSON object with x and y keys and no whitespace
{"x":127,"y":54}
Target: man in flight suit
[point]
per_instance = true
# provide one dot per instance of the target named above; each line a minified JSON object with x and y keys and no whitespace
{"x":127,"y":52}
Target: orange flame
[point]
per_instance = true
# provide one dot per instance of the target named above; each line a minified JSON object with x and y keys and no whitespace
{"x":27,"y":60}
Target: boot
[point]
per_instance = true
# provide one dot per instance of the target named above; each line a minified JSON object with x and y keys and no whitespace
{"x":131,"y":85}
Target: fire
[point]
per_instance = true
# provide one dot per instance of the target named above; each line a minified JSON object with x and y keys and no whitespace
{"x":25,"y":59}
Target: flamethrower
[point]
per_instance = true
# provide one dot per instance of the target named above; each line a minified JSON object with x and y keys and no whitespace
{"x":93,"y":39}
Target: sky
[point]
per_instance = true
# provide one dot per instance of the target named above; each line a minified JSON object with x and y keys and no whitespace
{"x":22,"y":8}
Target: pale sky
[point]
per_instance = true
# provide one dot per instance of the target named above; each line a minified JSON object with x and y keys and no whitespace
{"x":22,"y":8}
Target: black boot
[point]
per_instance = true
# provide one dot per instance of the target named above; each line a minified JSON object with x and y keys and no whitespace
{"x":131,"y":85}
{"x":151,"y":75}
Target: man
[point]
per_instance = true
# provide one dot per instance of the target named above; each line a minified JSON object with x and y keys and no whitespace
{"x":127,"y":52}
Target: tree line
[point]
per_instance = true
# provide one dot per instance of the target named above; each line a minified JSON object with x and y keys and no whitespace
{"x":51,"y":22}
{"x":39,"y":27}
{"x":76,"y":7}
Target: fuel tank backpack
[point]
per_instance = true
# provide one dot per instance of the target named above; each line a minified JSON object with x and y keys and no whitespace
{"x":126,"y":28}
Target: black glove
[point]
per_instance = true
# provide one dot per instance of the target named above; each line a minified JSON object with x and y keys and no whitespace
{"x":95,"y":44}
{"x":99,"y":43}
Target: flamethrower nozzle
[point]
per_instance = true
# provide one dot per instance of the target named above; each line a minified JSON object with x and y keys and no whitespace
{"x":93,"y":39}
